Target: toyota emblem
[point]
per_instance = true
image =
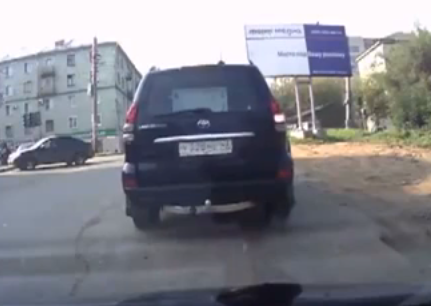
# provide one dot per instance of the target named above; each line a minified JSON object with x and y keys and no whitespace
{"x":203,"y":123}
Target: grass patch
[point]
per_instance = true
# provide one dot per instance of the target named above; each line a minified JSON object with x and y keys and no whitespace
{"x":415,"y":138}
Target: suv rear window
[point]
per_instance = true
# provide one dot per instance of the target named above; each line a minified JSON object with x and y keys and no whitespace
{"x":219,"y":89}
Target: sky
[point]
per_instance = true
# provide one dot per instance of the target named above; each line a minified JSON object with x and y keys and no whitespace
{"x":182,"y":32}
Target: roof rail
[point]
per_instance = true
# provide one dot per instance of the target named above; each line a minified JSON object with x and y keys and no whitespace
{"x":250,"y":62}
{"x":154,"y":68}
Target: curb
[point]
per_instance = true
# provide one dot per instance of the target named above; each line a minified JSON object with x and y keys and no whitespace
{"x":6,"y":169}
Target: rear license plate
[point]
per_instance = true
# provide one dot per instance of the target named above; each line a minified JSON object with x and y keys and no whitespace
{"x":216,"y":147}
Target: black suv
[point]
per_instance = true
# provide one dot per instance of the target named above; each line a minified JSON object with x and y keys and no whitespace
{"x":54,"y":149}
{"x":206,"y":139}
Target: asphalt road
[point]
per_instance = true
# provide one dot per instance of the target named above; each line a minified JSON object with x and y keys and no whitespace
{"x":64,"y":236}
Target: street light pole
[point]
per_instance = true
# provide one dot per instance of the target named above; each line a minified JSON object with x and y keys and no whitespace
{"x":94,"y":126}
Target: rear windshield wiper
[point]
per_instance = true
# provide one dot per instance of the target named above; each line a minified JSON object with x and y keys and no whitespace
{"x":201,"y":110}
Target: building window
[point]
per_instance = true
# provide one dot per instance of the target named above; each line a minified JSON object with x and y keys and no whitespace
{"x":70,"y":80}
{"x":118,"y":78}
{"x":25,"y":108}
{"x":48,"y":62}
{"x":73,"y":122}
{"x":49,"y":126}
{"x":7,"y":110}
{"x":28,"y":86}
{"x":9,"y":131}
{"x":71,"y":60}
{"x":47,"y":104}
{"x":121,"y":63}
{"x":8,"y":71}
{"x":123,"y":82}
{"x":8,"y":91}
{"x":27,"y":68}
{"x":72,"y":101}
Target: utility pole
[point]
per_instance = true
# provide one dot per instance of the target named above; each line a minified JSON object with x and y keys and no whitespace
{"x":347,"y":102}
{"x":298,"y":104}
{"x":94,"y":63}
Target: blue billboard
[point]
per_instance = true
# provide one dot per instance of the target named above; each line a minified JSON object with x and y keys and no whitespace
{"x":328,"y":50}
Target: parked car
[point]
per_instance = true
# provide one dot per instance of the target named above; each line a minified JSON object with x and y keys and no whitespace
{"x":54,"y":149}
{"x":206,"y":139}
{"x":18,"y":150}
{"x":4,"y":154}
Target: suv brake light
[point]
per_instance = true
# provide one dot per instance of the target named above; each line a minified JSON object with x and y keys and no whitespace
{"x":279,"y":118}
{"x":132,"y":113}
{"x":129,"y":125}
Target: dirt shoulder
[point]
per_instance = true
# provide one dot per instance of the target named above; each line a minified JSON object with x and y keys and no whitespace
{"x":392,"y":174}
{"x":390,"y":185}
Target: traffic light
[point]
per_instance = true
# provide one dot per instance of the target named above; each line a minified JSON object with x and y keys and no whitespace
{"x":35,"y":119}
{"x":31,"y":119}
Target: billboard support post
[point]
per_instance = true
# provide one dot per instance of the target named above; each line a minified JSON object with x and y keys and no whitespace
{"x":298,"y":104}
{"x":347,"y":102}
{"x":313,"y":111}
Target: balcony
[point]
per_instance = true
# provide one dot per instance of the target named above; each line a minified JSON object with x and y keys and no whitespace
{"x":46,"y":71}
{"x":46,"y":86}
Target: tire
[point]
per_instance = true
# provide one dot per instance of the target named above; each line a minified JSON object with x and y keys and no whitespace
{"x":144,"y":218}
{"x":29,"y":164}
{"x":283,"y":209}
{"x":255,"y":218}
{"x":79,"y":159}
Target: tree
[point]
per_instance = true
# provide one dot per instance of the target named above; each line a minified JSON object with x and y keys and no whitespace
{"x":326,"y":90}
{"x":374,"y":96}
{"x":408,"y":81}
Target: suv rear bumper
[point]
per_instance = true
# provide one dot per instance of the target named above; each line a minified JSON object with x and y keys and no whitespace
{"x":216,"y":194}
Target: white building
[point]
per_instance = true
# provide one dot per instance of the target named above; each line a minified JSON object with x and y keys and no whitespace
{"x":55,"y":83}
{"x":373,"y":59}
{"x":358,"y":45}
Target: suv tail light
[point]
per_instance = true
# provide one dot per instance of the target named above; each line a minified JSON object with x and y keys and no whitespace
{"x":129,"y":125}
{"x":132,"y":113}
{"x":279,"y":118}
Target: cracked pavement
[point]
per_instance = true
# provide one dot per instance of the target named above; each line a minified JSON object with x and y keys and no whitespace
{"x":64,"y":237}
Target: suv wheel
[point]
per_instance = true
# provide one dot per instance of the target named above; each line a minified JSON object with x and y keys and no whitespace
{"x":284,"y":207}
{"x":144,"y":218}
{"x":255,"y":218}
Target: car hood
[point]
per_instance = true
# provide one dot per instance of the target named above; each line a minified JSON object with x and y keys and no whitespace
{"x":14,"y":155}
{"x":292,"y":294}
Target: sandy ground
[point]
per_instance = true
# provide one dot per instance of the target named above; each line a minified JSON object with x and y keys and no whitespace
{"x":390,"y":184}
{"x":386,"y":172}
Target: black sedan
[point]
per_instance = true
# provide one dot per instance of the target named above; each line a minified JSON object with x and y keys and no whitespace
{"x":54,"y":149}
